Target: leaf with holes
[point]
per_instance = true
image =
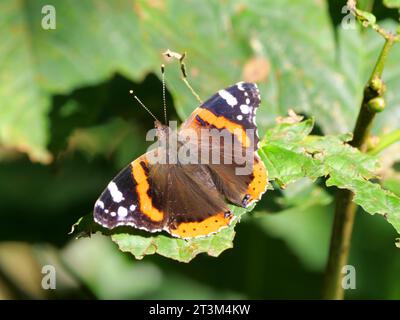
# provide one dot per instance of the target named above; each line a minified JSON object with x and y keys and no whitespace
{"x":301,"y":155}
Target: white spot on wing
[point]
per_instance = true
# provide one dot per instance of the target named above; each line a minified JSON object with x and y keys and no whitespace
{"x":116,"y":195}
{"x":100,"y":204}
{"x":132,"y":207}
{"x":122,"y":212}
{"x":113,"y":214}
{"x":239,"y":117}
{"x":247,"y":101}
{"x":245,"y":109}
{"x":106,"y":211}
{"x":230,"y":99}
{"x":240,"y":86}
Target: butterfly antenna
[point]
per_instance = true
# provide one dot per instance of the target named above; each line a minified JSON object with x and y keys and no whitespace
{"x":142,"y":104}
{"x":181,"y":57}
{"x":185,"y":78}
{"x":163,"y":93}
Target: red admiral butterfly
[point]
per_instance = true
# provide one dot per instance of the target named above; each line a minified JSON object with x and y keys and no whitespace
{"x":190,"y":200}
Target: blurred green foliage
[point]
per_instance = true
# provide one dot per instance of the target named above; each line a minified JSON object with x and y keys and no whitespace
{"x":67,"y":125}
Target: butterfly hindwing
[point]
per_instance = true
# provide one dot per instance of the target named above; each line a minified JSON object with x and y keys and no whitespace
{"x":190,"y":198}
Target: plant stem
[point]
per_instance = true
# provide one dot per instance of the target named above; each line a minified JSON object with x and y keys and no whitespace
{"x":345,"y":208}
{"x":366,"y":115}
{"x":380,"y":64}
{"x":340,"y":244}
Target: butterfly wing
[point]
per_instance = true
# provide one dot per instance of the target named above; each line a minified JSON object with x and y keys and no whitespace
{"x":234,"y":110}
{"x":189,"y":196}
{"x":127,"y":200}
{"x":231,"y":108}
{"x":182,"y":200}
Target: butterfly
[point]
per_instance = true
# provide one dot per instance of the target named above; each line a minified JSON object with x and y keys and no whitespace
{"x":190,"y":200}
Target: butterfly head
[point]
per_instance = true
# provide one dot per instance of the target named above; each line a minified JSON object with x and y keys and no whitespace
{"x":162,"y":130}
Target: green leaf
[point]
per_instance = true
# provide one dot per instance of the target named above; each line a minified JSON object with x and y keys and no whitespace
{"x":245,"y":33}
{"x":177,"y":249}
{"x":392,"y":183}
{"x":367,"y":18}
{"x":23,"y":107}
{"x":245,"y":36}
{"x":91,"y":42}
{"x":346,"y":167}
{"x":140,"y":244}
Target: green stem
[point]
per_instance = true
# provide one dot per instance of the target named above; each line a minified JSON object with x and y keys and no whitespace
{"x":385,"y":141}
{"x":363,"y":127}
{"x":345,"y":208}
{"x":380,"y":64}
{"x":374,"y":89}
{"x":340,"y":244}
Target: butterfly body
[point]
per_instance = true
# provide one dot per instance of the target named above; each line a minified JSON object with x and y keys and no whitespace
{"x":189,"y":199}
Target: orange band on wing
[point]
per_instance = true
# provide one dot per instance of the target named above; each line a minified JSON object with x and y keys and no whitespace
{"x":259,"y":183}
{"x":223,"y":123}
{"x":146,"y":205}
{"x":203,"y":228}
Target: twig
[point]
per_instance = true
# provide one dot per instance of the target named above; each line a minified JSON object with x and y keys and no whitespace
{"x":368,"y":20}
{"x":345,"y":209}
{"x":373,"y":96}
